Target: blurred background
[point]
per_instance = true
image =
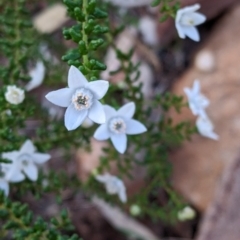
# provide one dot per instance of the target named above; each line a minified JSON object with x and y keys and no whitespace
{"x":205,"y":173}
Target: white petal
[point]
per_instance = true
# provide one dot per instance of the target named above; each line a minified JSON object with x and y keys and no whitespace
{"x":119,"y":142}
{"x":191,"y":32}
{"x":4,"y":186}
{"x":196,"y":87}
{"x":40,"y":158}
{"x":96,"y":112}
{"x":28,"y":147}
{"x":109,"y":111}
{"x":31,"y":171}
{"x":205,"y":128}
{"x":37,"y":76}
{"x":11,"y":155}
{"x":192,"y":8}
{"x":127,"y":110}
{"x":188,"y":92}
{"x":198,"y":18}
{"x":102,"y":178}
{"x":61,"y":97}
{"x":14,"y":173}
{"x":99,"y":88}
{"x":135,"y":127}
{"x":122,"y":195}
{"x":17,"y":177}
{"x":74,"y":118}
{"x":102,"y":132}
{"x":180,"y":31}
{"x":75,"y":78}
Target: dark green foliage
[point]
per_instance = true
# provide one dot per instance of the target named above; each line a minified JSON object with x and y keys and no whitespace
{"x":20,"y":223}
{"x":86,"y":34}
{"x":168,"y":8}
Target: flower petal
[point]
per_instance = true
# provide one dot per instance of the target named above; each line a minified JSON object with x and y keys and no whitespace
{"x":122,"y":194}
{"x":96,"y":112}
{"x":205,"y":128}
{"x":4,"y":186}
{"x":40,"y":158}
{"x":27,"y":147}
{"x":11,"y":155}
{"x":191,"y":32}
{"x":74,"y":118}
{"x":75,"y":78}
{"x":37,"y":76}
{"x":119,"y":142}
{"x":102,"y":132}
{"x":196,"y":87}
{"x":180,"y":30}
{"x":192,"y":8}
{"x":135,"y":127}
{"x":102,"y":178}
{"x":198,"y":18}
{"x":127,"y":110}
{"x":99,"y":88}
{"x":31,"y":171}
{"x":109,"y":111}
{"x":17,"y":177}
{"x":61,"y":97}
{"x":14,"y":173}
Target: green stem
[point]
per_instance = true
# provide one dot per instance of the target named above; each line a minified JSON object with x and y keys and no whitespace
{"x":85,"y":36}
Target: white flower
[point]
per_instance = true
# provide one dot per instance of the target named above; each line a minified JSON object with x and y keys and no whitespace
{"x":186,"y":20}
{"x":205,"y":128}
{"x":14,"y":95}
{"x":37,"y":75}
{"x":197,"y":101}
{"x":186,"y":213}
{"x":118,"y":124}
{"x":81,"y":99}
{"x":113,"y":185}
{"x":24,"y":161}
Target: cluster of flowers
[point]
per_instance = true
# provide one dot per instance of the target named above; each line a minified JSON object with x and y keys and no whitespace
{"x":198,"y":103}
{"x":23,"y":163}
{"x":82,"y":101}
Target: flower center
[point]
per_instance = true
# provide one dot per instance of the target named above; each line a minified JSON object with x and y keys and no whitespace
{"x":117,"y":125}
{"x":25,"y":162}
{"x":82,"y":99}
{"x":187,"y":21}
{"x":24,"y":159}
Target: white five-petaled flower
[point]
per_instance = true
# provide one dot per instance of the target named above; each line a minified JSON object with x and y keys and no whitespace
{"x":197,"y":101}
{"x":118,"y":124}
{"x":24,"y":161}
{"x":81,"y":99}
{"x":14,"y":95}
{"x":205,"y":128}
{"x":113,"y":185}
{"x":186,"y":21}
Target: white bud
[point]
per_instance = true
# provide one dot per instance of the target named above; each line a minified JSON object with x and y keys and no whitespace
{"x":205,"y":61}
{"x":135,"y":210}
{"x":14,"y":95}
{"x":186,"y":213}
